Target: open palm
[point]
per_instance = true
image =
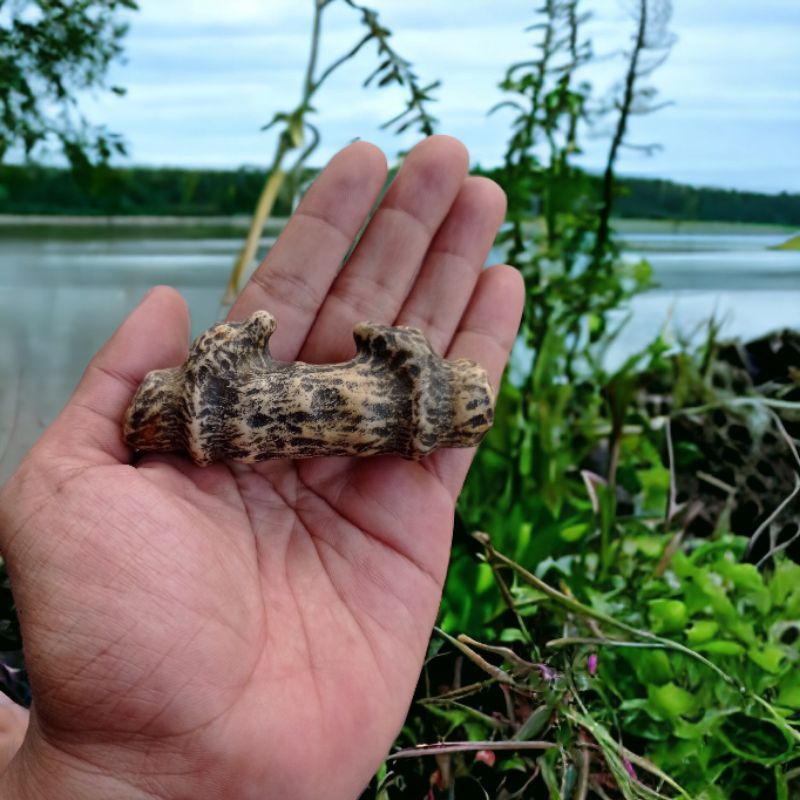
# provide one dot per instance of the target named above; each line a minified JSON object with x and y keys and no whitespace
{"x":253,"y":631}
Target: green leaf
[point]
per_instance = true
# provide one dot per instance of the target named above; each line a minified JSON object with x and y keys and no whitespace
{"x":642,"y":272}
{"x":748,"y":580}
{"x":702,"y":631}
{"x":785,"y":582}
{"x":512,"y":763}
{"x":513,"y":635}
{"x":721,"y":648}
{"x":573,"y":533}
{"x":650,"y":546}
{"x":651,"y":666}
{"x":668,"y":616}
{"x":535,"y":723}
{"x":789,"y":692}
{"x":671,"y":701}
{"x":768,"y":657}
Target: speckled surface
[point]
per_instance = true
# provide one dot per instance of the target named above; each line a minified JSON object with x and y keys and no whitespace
{"x":232,"y":400}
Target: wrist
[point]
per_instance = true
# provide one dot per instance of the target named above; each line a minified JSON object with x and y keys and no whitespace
{"x":41,"y":772}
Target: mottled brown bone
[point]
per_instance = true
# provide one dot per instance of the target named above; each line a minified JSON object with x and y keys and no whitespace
{"x":232,"y":400}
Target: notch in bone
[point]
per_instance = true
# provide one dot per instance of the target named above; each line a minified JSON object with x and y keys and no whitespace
{"x":232,"y":400}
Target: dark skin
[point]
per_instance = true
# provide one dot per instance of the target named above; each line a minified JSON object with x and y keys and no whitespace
{"x":253,"y":631}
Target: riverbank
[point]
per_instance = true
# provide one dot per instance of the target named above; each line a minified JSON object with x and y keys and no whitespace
{"x":77,"y":227}
{"x":81,"y":228}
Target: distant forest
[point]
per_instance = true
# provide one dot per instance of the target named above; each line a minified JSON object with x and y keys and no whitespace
{"x":34,"y":189}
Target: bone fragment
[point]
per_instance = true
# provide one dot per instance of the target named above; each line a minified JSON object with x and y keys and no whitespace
{"x":232,"y":400}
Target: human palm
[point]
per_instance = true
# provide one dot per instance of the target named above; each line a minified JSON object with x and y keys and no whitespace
{"x":253,"y":631}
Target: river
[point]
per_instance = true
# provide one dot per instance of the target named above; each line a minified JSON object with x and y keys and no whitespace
{"x":61,"y":299}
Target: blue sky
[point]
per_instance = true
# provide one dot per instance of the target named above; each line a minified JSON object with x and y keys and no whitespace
{"x":203,"y":76}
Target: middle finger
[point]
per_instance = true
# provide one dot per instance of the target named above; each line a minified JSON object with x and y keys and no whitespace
{"x":378,"y":277}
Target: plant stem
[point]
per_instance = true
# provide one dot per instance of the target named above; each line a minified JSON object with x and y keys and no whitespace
{"x":601,"y":241}
{"x":266,"y":203}
{"x":468,"y":747}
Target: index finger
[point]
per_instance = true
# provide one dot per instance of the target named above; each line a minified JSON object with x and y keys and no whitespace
{"x":294,"y":278}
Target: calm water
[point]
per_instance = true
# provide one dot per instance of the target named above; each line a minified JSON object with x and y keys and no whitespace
{"x":60,"y":300}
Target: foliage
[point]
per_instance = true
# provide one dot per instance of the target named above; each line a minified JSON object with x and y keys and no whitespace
{"x":790,"y":244}
{"x":589,"y":647}
{"x":676,"y":676}
{"x":660,"y":199}
{"x":552,"y":396}
{"x":34,"y":189}
{"x":50,"y":50}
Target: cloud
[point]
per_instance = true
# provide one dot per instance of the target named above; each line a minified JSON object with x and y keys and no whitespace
{"x":203,"y":77}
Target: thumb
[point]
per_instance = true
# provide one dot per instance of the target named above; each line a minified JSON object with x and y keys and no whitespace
{"x":154,"y":335}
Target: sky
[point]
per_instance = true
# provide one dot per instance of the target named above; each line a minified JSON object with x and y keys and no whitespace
{"x":202,"y":77}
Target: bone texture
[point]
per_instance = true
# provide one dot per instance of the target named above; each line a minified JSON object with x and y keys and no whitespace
{"x":232,"y":400}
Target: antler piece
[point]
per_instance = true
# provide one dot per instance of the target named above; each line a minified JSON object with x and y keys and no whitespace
{"x":232,"y":400}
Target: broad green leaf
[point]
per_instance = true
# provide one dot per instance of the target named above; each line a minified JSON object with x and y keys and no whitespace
{"x":789,"y":692}
{"x":721,"y":648}
{"x":670,"y":700}
{"x":475,"y":731}
{"x":743,"y":630}
{"x":768,"y":657}
{"x":702,"y":631}
{"x":785,"y":582}
{"x":668,"y":616}
{"x":747,"y":578}
{"x":651,"y":666}
{"x":650,"y":546}
{"x":512,"y":635}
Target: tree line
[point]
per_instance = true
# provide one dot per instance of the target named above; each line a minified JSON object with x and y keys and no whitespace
{"x":36,"y":189}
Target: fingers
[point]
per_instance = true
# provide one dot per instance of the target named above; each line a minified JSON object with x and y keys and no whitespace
{"x":454,"y":261}
{"x":296,"y":275}
{"x":154,"y":335}
{"x":376,"y":280}
{"x":486,"y":335}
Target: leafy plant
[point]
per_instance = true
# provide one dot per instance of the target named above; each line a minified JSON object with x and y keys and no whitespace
{"x":553,"y":413}
{"x":49,"y":51}
{"x":588,"y":646}
{"x":297,"y":134}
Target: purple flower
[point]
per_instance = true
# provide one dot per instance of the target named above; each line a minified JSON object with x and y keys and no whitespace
{"x":591,"y":664}
{"x":629,"y":769}
{"x":547,"y":674}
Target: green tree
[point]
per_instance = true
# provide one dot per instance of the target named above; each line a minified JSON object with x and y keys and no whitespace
{"x":50,"y":51}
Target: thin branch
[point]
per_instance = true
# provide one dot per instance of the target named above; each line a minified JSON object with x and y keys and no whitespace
{"x":468,"y":747}
{"x":769,"y":520}
{"x":334,"y":65}
{"x":506,"y":652}
{"x":490,"y":669}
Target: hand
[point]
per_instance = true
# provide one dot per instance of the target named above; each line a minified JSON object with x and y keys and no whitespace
{"x":253,"y":631}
